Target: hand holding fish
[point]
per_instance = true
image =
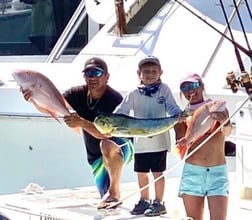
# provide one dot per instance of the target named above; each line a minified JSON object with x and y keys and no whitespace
{"x":74,"y":120}
{"x":220,"y":116}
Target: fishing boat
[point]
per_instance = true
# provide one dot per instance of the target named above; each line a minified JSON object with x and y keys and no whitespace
{"x":211,"y":38}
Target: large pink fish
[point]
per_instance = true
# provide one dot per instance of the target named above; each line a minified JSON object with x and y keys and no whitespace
{"x":199,"y":124}
{"x":45,"y":96}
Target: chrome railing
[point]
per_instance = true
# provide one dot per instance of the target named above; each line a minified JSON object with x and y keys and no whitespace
{"x":66,"y":36}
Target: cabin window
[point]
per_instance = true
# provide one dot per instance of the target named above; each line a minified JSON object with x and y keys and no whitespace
{"x":32,"y":27}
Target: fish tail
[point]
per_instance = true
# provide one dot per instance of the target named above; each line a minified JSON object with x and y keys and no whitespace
{"x":180,"y":149}
{"x":55,"y":116}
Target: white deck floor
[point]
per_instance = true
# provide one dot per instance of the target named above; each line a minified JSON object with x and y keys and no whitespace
{"x":81,"y":203}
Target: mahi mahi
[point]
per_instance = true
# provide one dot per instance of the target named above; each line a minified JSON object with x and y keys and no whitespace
{"x":119,"y":125}
{"x":45,"y":96}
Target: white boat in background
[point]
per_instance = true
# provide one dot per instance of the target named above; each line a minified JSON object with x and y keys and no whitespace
{"x":37,"y":149}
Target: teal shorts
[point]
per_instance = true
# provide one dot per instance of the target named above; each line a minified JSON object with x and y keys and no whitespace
{"x":204,"y":181}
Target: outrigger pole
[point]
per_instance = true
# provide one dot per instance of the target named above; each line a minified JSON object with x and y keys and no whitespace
{"x":242,"y":26}
{"x":250,"y":14}
{"x":241,"y":48}
{"x":237,"y":53}
{"x":221,"y":40}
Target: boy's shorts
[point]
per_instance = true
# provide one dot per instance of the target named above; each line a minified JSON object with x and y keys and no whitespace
{"x":154,"y":162}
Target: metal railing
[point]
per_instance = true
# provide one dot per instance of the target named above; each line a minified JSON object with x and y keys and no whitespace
{"x":66,"y":36}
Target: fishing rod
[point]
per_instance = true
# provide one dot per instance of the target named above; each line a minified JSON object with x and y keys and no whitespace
{"x":245,"y":78}
{"x":249,"y":11}
{"x":232,"y":16}
{"x":244,"y":50}
{"x":237,"y":52}
{"x":242,"y":26}
{"x":183,"y":159}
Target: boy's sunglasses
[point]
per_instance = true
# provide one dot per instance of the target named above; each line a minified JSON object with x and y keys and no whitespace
{"x":93,"y":73}
{"x":189,"y":86}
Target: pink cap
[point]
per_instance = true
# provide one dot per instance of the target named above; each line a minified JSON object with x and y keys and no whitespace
{"x":191,"y":77}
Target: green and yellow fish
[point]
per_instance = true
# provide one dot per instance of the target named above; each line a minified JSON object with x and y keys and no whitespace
{"x":119,"y":125}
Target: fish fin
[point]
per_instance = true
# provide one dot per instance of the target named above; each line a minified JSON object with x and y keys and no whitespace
{"x":76,"y":130}
{"x":55,"y":116}
{"x":181,"y":147}
{"x":122,"y":130}
{"x":182,"y":151}
{"x":45,"y":111}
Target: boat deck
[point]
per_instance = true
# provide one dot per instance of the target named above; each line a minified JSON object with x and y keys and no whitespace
{"x":81,"y":203}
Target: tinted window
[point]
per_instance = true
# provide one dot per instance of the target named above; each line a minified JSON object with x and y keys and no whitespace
{"x":32,"y":27}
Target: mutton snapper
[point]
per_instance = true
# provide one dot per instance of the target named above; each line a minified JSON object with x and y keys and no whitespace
{"x":119,"y":125}
{"x":200,"y":123}
{"x":45,"y":96}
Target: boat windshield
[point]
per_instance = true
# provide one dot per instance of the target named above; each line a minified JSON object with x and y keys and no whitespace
{"x":32,"y":27}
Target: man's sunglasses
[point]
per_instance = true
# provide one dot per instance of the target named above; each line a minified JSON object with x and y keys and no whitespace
{"x":93,"y":73}
{"x":185,"y":87}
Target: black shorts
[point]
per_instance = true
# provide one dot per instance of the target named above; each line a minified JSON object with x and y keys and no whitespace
{"x":154,"y":162}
